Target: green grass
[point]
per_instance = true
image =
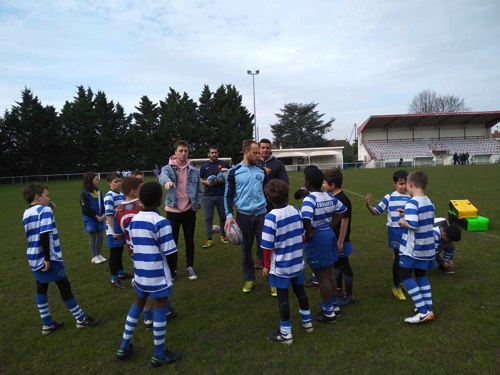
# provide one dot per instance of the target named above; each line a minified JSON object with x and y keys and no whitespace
{"x":221,"y":330}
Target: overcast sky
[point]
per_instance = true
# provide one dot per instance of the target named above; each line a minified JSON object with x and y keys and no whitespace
{"x":353,"y":58}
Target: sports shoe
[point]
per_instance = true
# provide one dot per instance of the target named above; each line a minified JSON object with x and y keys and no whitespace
{"x":274,"y":292}
{"x":102,"y":258}
{"x":125,"y":276}
{"x":322,"y":318}
{"x":117,"y":284}
{"x":171,"y":314}
{"x":308,"y":327}
{"x":121,"y":354}
{"x":191,"y":274}
{"x":47,"y":330}
{"x":224,"y":240}
{"x":281,"y":338}
{"x":170,"y":357}
{"x":312,"y":283}
{"x":398,"y":294}
{"x":347,"y":300}
{"x":259,"y":264}
{"x":248,"y":287}
{"x":336,"y":310}
{"x":148,"y":324}
{"x":207,"y":244}
{"x":87,"y":322}
{"x":173,"y":275}
{"x":420,"y":318}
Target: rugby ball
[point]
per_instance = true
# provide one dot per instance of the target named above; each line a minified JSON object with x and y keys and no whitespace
{"x":215,"y":228}
{"x":221,"y":178}
{"x":234,"y":234}
{"x":212,"y":180}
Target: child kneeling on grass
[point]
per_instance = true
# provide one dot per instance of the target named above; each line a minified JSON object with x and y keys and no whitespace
{"x":445,"y":238}
{"x":282,"y":247}
{"x":45,"y":258}
{"x":151,"y":236}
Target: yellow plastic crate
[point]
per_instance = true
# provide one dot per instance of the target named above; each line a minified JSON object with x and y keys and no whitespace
{"x":463,"y":208}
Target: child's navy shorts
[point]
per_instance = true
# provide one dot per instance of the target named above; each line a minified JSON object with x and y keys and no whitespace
{"x":286,"y":282}
{"x":56,"y":272}
{"x":321,"y":249}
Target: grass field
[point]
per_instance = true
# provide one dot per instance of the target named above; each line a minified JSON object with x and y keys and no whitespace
{"x":220,"y":330}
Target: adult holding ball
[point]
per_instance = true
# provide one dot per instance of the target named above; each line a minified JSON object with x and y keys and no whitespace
{"x":244,"y":183}
{"x":213,"y":197}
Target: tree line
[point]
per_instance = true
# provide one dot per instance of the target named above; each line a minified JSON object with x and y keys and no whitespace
{"x":93,"y":133}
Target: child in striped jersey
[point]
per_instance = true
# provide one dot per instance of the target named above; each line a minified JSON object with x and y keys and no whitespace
{"x":417,"y":250}
{"x":45,"y":258}
{"x":320,"y":248}
{"x":282,"y":249}
{"x":444,"y":238}
{"x":114,"y":236}
{"x":394,"y":203}
{"x":152,"y":241}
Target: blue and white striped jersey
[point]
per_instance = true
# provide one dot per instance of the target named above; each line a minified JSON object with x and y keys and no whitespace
{"x":151,"y":236}
{"x":392,"y":202}
{"x":112,"y":200}
{"x":418,"y":242}
{"x":320,"y":207}
{"x":39,"y":219}
{"x":448,"y":251}
{"x":282,"y":233}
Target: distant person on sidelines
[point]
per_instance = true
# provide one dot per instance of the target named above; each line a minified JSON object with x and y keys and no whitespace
{"x":213,"y":197}
{"x":92,"y":205}
{"x":283,"y":264}
{"x":320,"y":247}
{"x":182,"y":182}
{"x":341,"y":225}
{"x":244,"y":184}
{"x":138,"y":174}
{"x":152,"y":241}
{"x":45,"y":258}
{"x":445,"y":238}
{"x":393,"y":202}
{"x":417,"y":251}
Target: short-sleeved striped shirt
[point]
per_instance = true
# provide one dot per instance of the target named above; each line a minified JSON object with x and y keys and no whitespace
{"x":151,"y":236}
{"x":418,"y":242}
{"x":39,"y":219}
{"x":112,"y":200}
{"x":320,"y":207}
{"x":392,"y":202}
{"x":282,"y":233}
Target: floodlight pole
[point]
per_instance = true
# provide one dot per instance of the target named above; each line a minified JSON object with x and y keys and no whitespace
{"x":253,"y":74}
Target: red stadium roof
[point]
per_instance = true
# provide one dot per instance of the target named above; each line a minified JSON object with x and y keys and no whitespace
{"x":488,"y":118}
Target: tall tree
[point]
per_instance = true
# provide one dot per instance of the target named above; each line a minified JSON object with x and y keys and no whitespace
{"x":147,"y":144}
{"x":428,"y":101}
{"x":30,"y":137}
{"x":301,"y":125}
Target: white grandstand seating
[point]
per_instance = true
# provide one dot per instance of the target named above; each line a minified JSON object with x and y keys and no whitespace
{"x":407,"y":148}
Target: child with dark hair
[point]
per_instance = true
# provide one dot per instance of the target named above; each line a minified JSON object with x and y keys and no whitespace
{"x":114,"y":236}
{"x":282,"y":248}
{"x":151,"y":237}
{"x":92,"y":205}
{"x":320,"y":247}
{"x":45,"y":258}
{"x":341,"y":225}
{"x":445,"y":238}
{"x":394,"y":203}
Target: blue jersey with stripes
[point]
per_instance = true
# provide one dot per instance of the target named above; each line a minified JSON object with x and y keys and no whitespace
{"x":151,"y":236}
{"x":418,"y":242}
{"x":319,"y":207}
{"x":39,"y":219}
{"x":448,"y":251}
{"x":282,"y":234}
{"x":392,"y":202}
{"x":112,"y":200}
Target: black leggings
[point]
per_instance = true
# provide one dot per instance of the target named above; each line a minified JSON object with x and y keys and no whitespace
{"x":115,"y":260}
{"x":340,"y":268}
{"x":63,"y":285}
{"x":283,"y":304}
{"x":395,"y":269}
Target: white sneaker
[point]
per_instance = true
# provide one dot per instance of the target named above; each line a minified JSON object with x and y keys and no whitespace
{"x":308,"y":327}
{"x":102,"y":258}
{"x":95,"y":260}
{"x":191,"y":274}
{"x":420,"y":318}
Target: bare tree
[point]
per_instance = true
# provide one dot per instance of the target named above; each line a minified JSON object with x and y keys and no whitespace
{"x":429,"y":101}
